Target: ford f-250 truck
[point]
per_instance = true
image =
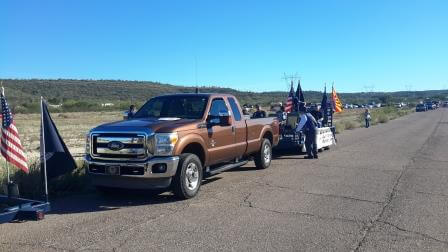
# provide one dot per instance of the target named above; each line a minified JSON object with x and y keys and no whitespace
{"x":176,"y":140}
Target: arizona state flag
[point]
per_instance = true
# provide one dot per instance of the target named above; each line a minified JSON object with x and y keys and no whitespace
{"x":337,"y":104}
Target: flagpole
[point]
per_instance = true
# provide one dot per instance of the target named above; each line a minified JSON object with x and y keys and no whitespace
{"x":43,"y":147}
{"x":6,"y":161}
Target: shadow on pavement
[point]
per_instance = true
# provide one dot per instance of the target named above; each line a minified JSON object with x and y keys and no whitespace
{"x":115,"y":199}
{"x":287,"y":154}
{"x":98,"y":201}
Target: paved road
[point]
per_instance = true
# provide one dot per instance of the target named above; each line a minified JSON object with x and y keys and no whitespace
{"x":383,"y":188}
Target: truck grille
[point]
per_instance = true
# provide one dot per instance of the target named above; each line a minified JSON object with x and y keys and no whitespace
{"x":119,"y":146}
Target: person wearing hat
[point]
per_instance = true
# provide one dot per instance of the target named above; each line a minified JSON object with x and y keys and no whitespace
{"x":309,"y":124}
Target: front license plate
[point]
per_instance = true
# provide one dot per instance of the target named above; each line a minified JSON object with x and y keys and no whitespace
{"x":113,"y":170}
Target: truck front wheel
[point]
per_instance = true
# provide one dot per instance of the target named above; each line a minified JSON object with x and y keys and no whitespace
{"x":264,"y":156}
{"x":188,"y":177}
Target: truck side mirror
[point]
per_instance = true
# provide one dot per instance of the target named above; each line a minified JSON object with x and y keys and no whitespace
{"x":225,"y":118}
{"x":222,"y":119}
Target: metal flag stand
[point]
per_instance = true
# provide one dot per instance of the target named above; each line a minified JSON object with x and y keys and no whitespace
{"x":43,"y":159}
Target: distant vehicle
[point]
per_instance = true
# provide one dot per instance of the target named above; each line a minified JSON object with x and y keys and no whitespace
{"x":398,"y":105}
{"x":421,"y":108}
{"x":429,"y":105}
{"x":445,"y":104}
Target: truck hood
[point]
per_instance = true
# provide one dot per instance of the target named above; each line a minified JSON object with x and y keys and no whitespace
{"x":150,"y":125}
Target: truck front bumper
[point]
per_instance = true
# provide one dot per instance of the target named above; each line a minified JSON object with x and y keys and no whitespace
{"x":155,"y":172}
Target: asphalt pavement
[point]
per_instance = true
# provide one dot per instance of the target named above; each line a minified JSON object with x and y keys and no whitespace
{"x":380,"y":189}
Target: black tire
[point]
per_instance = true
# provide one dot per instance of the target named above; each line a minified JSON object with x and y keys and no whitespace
{"x":181,"y":188}
{"x":327,"y":148}
{"x":264,"y":157}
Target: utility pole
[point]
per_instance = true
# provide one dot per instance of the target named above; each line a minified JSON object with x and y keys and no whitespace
{"x":290,"y":78}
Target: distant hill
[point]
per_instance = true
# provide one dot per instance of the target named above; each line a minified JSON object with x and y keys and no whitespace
{"x":79,"y":95}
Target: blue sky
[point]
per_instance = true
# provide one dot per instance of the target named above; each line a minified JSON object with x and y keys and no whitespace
{"x":247,"y":45}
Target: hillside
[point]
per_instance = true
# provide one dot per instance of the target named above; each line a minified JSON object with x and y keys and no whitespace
{"x":87,"y":95}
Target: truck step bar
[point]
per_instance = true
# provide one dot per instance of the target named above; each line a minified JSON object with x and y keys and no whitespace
{"x":210,"y":172}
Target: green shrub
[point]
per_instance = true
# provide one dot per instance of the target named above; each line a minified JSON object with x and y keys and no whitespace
{"x":382,"y":118}
{"x":350,"y":125}
{"x":339,"y":127}
{"x":31,"y":184}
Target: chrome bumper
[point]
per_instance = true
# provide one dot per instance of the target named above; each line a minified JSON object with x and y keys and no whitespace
{"x":145,"y":167}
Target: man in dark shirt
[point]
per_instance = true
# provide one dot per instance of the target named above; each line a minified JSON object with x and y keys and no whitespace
{"x":131,"y":111}
{"x":258,"y":113}
{"x":309,"y":124}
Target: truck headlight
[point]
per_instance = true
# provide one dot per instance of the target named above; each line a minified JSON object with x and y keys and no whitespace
{"x":88,"y":143}
{"x":164,"y":143}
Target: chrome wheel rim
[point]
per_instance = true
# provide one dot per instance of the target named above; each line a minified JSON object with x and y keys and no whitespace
{"x":267,"y":154}
{"x":192,"y":176}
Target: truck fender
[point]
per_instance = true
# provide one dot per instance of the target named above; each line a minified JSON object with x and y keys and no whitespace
{"x":192,"y":139}
{"x":266,"y":131}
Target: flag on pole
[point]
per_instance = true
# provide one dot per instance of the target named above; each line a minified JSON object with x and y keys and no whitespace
{"x":11,"y":146}
{"x":323,"y":103}
{"x":337,"y":104}
{"x":300,"y":99}
{"x":55,"y":157}
{"x":290,"y":102}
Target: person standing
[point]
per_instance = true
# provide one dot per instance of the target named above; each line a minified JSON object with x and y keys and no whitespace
{"x":309,"y":124}
{"x":315,"y":111}
{"x":367,"y":117}
{"x":281,"y":114}
{"x":131,"y":111}
{"x":258,"y":113}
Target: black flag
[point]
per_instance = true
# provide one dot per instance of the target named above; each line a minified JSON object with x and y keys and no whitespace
{"x":323,"y":104}
{"x":58,"y":159}
{"x":299,"y":100}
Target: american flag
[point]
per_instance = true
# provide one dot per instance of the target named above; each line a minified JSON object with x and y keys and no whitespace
{"x":11,"y":146}
{"x":290,"y":102}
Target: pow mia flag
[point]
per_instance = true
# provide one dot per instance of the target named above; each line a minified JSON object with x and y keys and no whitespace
{"x":54,"y":155}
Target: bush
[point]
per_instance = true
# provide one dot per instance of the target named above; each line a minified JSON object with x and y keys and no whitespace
{"x":31,"y":184}
{"x":382,"y":118}
{"x":339,"y":127}
{"x":350,"y":125}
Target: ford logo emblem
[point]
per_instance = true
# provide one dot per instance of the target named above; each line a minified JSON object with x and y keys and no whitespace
{"x":115,"y":145}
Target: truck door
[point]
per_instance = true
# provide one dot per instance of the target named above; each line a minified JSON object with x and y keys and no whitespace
{"x":220,"y":138}
{"x":239,"y":128}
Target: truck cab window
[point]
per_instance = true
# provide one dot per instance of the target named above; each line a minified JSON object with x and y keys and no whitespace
{"x":218,"y":106}
{"x":235,"y":110}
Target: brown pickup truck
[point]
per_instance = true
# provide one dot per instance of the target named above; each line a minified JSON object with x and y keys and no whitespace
{"x":175,"y":141}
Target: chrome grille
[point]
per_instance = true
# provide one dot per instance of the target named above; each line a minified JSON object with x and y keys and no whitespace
{"x":119,"y":146}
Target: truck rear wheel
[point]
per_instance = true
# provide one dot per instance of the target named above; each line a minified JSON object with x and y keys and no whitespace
{"x":188,"y":178}
{"x":264,"y":156}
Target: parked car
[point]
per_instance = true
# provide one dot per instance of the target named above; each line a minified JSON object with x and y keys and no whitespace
{"x":430,"y":105}
{"x":173,"y":141}
{"x":420,"y":108}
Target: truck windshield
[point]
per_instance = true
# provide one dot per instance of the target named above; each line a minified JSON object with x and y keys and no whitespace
{"x":186,"y":107}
